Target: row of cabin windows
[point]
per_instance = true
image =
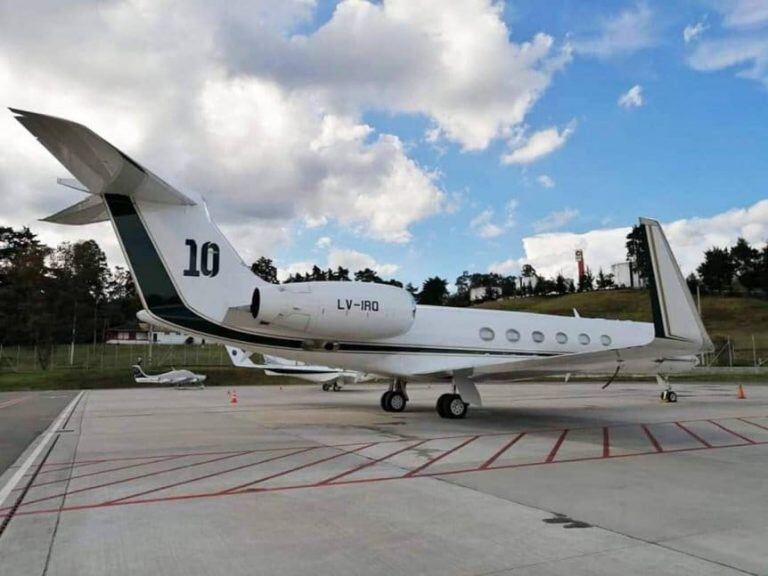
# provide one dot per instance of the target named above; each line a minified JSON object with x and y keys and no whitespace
{"x":513,"y":335}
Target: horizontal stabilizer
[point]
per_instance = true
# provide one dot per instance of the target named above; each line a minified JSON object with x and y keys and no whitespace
{"x":97,"y":165}
{"x":88,"y":211}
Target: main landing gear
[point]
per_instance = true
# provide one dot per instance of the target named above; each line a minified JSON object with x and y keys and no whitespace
{"x":396,"y":398}
{"x":451,"y":406}
{"x":667,"y":395}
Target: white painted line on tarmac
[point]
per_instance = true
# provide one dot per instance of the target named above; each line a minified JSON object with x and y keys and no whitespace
{"x":46,"y":438}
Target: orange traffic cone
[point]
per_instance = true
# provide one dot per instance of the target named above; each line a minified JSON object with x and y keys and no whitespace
{"x":740,"y":394}
{"x":233,"y":397}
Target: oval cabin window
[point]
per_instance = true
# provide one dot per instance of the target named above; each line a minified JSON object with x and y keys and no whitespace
{"x":538,"y":336}
{"x":561,"y":338}
{"x":584,"y":339}
{"x":605,"y":340}
{"x":513,"y":335}
{"x":487,"y":334}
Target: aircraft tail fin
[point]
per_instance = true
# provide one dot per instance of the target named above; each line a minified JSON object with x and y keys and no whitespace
{"x":185,"y":270}
{"x":239,"y":357}
{"x":138,"y":371}
{"x":675,"y":316}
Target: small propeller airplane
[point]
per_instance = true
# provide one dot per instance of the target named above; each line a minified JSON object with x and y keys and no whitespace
{"x":330,"y":378}
{"x":177,"y":378}
{"x":189,"y":276}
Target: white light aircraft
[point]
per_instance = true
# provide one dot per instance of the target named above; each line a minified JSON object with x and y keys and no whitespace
{"x":329,"y":378}
{"x":178,"y":378}
{"x":188,"y":276}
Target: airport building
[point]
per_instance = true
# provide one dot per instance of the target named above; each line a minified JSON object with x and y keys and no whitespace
{"x":626,"y":276}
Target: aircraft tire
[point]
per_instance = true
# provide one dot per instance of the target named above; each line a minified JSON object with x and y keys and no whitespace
{"x":441,"y":405}
{"x":672,"y":396}
{"x":326,"y":387}
{"x":396,"y":401}
{"x":385,"y":401}
{"x":456,"y":407}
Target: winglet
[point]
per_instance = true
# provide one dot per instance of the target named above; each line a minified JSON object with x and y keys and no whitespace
{"x":675,"y":316}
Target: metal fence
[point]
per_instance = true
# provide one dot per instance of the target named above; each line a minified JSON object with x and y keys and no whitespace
{"x":109,"y":356}
{"x":728,"y":353}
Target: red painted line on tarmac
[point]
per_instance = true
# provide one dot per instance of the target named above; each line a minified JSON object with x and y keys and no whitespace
{"x":753,"y":423}
{"x":732,"y":432}
{"x":651,"y":437}
{"x":694,"y":435}
{"x":372,"y":462}
{"x":211,"y":475}
{"x":140,"y":476}
{"x":245,"y":487}
{"x":88,"y":474}
{"x":438,"y":458}
{"x":342,"y":483}
{"x":556,"y":447}
{"x":606,"y":443}
{"x":177,"y":455}
{"x":14,"y":401}
{"x":503,"y":449}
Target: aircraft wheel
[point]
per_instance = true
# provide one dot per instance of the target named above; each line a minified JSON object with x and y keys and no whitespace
{"x":385,"y":400}
{"x":456,"y":407}
{"x":395,"y":401}
{"x":671,"y":396}
{"x":326,"y":386}
{"x":663,"y":396}
{"x":442,"y":401}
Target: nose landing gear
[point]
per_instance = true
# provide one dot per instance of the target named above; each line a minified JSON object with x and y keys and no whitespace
{"x":667,"y":395}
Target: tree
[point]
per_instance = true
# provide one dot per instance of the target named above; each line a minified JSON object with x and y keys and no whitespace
{"x":434,"y":291}
{"x":637,"y":252}
{"x":764,"y":269}
{"x":265,"y":269}
{"x":527,"y":271}
{"x":561,"y":287}
{"x":716,"y":272}
{"x":746,"y":264}
{"x":368,"y":275}
{"x":693,"y":282}
{"x":604,"y":281}
{"x":586,"y":281}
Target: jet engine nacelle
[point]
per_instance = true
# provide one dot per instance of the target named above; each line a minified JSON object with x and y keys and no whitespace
{"x":335,"y":310}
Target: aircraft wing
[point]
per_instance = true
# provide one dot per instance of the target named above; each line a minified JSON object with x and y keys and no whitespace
{"x":679,"y":334}
{"x":666,"y":358}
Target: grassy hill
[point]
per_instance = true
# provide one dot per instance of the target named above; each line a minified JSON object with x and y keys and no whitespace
{"x":734,"y":317}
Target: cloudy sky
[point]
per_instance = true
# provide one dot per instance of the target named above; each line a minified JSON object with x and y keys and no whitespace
{"x":417,"y":137}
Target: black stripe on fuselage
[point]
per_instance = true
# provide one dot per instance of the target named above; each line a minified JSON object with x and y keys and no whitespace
{"x":164,"y":301}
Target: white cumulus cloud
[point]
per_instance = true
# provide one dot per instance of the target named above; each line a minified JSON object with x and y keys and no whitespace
{"x":230,"y":100}
{"x":555,"y":220}
{"x":355,"y":261}
{"x":546,"y":181}
{"x":537,"y":145}
{"x":632,"y":98}
{"x":552,"y":253}
{"x":484,"y":225}
{"x":694,"y":31}
{"x":627,"y":32}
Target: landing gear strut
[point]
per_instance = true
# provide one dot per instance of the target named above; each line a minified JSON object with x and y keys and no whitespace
{"x":667,"y":395}
{"x":451,"y":406}
{"x":396,"y":398}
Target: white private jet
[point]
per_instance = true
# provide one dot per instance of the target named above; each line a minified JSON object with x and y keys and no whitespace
{"x":329,"y":378}
{"x":178,"y":378}
{"x":188,"y":276}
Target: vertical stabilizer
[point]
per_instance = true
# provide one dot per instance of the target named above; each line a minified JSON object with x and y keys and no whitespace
{"x":675,"y":316}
